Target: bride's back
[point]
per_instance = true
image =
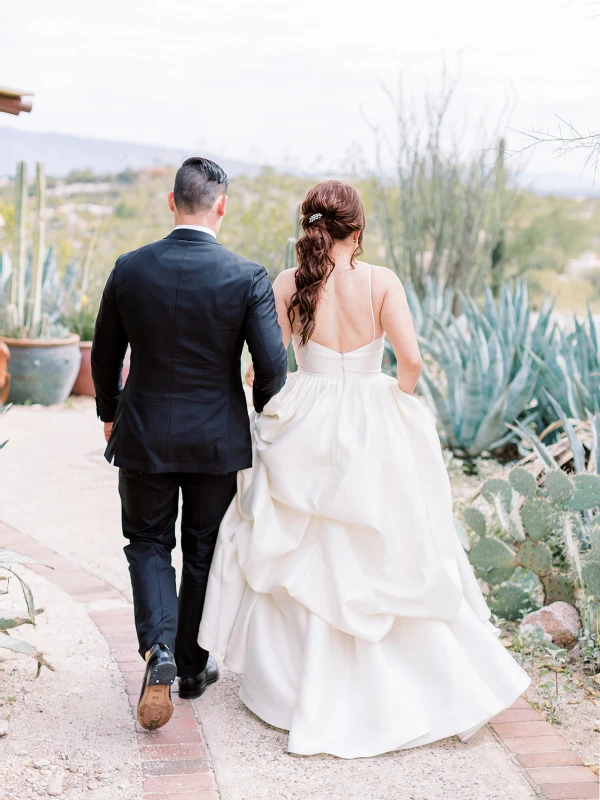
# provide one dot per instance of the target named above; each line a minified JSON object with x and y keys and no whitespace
{"x":347,"y":315}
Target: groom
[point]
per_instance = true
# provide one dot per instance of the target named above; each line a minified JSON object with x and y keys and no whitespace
{"x":185,"y":305}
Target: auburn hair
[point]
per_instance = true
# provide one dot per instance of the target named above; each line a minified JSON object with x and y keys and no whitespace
{"x":341,"y":214}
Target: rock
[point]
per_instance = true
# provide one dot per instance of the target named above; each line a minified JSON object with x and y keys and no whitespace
{"x":55,"y":786}
{"x":72,"y":768}
{"x":91,"y":785}
{"x":42,"y":763}
{"x":3,"y":727}
{"x":559,"y":621}
{"x":575,"y":655}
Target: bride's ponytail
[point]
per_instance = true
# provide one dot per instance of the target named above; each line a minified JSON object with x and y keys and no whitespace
{"x":332,"y":211}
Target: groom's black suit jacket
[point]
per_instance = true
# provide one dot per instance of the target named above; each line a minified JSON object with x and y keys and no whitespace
{"x":185,"y":305}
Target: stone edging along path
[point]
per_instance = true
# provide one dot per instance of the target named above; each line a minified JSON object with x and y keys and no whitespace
{"x":175,"y":761}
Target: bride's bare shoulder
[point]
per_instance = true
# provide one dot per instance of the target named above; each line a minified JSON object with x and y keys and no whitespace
{"x":385,"y":278}
{"x":284,"y":284}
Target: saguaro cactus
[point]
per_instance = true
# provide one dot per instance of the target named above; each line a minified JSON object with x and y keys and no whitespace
{"x":23,"y":314}
{"x":34,"y":302}
{"x":17,"y":288}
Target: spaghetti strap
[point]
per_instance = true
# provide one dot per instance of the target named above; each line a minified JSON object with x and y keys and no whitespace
{"x":371,"y":302}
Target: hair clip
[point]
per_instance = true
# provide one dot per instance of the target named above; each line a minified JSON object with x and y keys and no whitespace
{"x":314,"y":218}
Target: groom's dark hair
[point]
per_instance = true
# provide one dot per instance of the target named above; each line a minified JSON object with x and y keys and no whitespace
{"x":198,"y":183}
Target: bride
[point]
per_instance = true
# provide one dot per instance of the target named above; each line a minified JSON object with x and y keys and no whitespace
{"x":339,"y":587}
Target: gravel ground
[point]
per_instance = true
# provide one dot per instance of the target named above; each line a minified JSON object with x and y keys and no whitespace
{"x":70,"y":732}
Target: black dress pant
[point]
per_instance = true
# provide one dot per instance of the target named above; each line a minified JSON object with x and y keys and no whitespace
{"x":150,"y":503}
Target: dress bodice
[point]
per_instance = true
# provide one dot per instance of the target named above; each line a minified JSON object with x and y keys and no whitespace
{"x":316,"y":359}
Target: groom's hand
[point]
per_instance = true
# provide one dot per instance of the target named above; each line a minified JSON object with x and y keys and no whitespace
{"x":107,"y":430}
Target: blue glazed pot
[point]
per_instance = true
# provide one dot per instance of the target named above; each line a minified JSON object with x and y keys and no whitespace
{"x":42,"y":370}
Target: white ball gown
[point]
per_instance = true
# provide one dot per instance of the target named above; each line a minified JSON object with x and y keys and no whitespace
{"x":339,"y":588}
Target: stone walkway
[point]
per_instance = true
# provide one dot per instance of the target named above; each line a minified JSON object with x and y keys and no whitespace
{"x":60,"y":499}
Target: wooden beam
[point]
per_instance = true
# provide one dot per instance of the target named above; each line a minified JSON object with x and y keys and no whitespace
{"x":14,"y":106}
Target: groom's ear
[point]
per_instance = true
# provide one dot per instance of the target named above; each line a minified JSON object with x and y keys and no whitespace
{"x":171,"y":201}
{"x":222,"y":204}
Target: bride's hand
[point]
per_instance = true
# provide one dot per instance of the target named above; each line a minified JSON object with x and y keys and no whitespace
{"x":250,"y":376}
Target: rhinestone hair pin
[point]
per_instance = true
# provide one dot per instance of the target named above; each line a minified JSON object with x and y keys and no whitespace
{"x":314,"y":218}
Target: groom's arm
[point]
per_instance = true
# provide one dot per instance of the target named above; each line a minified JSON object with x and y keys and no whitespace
{"x":263,"y":334}
{"x":108,"y":352}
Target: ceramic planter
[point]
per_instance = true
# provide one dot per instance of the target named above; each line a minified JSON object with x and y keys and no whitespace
{"x":84,"y":384}
{"x":43,"y":370}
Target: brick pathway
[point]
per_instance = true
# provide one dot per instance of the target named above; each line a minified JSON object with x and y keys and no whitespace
{"x":175,"y":761}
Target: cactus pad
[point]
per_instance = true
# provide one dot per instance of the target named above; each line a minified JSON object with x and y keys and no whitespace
{"x":535,"y":556}
{"x":560,"y":487}
{"x":558,"y":587}
{"x":476,"y":521}
{"x":496,"y":487}
{"x":516,"y":529}
{"x":523,"y":482}
{"x":493,"y":560}
{"x":591,"y":576}
{"x":594,"y":534}
{"x":511,"y":601}
{"x":587,"y":492}
{"x":537,"y":518}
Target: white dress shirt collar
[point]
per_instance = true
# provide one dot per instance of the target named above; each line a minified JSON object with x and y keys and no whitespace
{"x":196,"y":228}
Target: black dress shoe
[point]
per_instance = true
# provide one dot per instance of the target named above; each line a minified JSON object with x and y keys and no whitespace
{"x":190,"y":688}
{"x":155,"y":707}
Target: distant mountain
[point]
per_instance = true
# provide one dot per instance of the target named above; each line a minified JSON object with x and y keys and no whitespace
{"x":561,"y":184}
{"x":62,"y":153}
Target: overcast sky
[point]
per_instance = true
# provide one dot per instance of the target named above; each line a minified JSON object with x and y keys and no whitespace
{"x":277,"y":81}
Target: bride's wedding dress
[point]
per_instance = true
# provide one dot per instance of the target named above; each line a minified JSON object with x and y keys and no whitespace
{"x":339,"y":587}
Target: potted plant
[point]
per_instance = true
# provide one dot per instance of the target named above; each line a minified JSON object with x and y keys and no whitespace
{"x":45,"y":355}
{"x":82,"y":321}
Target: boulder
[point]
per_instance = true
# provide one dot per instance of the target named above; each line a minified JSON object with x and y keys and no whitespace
{"x":559,"y":621}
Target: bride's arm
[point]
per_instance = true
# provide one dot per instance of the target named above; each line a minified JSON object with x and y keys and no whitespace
{"x":284,"y":287}
{"x":397,"y":323}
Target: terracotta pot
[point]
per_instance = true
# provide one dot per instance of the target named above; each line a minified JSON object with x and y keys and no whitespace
{"x":84,"y":384}
{"x":4,"y":376}
{"x":43,"y":370}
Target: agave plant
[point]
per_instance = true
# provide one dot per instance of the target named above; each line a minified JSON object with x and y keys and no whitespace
{"x":477,"y":379}
{"x":571,"y":370}
{"x":579,"y":442}
{"x":434,"y":310}
{"x":8,"y":558}
{"x":7,"y":642}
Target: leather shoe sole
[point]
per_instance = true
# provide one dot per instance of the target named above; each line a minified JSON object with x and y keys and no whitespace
{"x":155,"y":708}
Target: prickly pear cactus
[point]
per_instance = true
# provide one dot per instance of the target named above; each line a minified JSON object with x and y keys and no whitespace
{"x":523,"y":482}
{"x":476,"y":521}
{"x":493,"y":560}
{"x":558,"y":587}
{"x":511,"y":601}
{"x":586,"y":495}
{"x":527,"y":515}
{"x":536,"y":516}
{"x":535,"y":556}
{"x":560,"y":488}
{"x":591,"y":566}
